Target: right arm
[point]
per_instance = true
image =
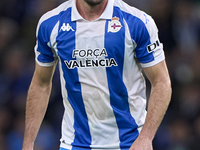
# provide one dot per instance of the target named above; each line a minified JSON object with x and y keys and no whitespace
{"x":37,"y":102}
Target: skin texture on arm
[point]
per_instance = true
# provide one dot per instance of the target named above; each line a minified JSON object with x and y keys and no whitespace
{"x":158,"y":103}
{"x":37,"y":102}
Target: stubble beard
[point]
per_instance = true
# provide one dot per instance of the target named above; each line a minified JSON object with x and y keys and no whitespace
{"x":93,"y":2}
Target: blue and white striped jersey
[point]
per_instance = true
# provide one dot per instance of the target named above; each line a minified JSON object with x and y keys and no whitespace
{"x":100,"y":66}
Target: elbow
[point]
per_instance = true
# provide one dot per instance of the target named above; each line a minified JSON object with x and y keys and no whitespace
{"x":163,"y":86}
{"x":169,"y":86}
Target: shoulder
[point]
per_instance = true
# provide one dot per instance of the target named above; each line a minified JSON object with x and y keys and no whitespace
{"x":135,"y":16}
{"x":125,"y":8}
{"x":51,"y":17}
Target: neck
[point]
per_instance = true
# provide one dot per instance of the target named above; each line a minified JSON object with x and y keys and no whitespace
{"x":90,"y":11}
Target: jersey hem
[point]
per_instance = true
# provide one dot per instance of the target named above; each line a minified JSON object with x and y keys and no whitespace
{"x":96,"y":147}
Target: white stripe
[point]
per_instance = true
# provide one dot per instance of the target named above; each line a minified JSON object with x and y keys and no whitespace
{"x":68,"y":118}
{"x":53,"y":36}
{"x":94,"y":85}
{"x":134,"y":81}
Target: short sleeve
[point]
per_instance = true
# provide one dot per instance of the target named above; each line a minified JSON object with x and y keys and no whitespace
{"x":44,"y":55}
{"x":149,"y":50}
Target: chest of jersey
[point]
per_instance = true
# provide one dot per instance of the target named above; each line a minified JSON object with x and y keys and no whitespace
{"x":84,"y":44}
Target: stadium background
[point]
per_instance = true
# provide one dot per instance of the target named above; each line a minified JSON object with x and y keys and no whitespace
{"x":178,"y":22}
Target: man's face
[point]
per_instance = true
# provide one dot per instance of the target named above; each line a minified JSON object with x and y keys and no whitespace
{"x":93,"y":2}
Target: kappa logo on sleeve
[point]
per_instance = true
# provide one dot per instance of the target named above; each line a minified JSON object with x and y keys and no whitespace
{"x":153,"y":46}
{"x":146,"y":18}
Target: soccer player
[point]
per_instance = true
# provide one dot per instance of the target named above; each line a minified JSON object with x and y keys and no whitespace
{"x":101,"y":46}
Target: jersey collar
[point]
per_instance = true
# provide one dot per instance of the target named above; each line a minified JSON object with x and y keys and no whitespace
{"x":107,"y":14}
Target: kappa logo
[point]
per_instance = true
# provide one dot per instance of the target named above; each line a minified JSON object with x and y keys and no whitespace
{"x":114,"y":25}
{"x":147,"y":19}
{"x":66,"y":27}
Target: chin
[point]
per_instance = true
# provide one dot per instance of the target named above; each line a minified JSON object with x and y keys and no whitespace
{"x":93,"y":2}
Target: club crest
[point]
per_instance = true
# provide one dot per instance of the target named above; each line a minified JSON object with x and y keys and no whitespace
{"x":114,"y":25}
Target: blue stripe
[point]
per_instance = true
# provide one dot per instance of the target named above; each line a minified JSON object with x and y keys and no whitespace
{"x":66,"y":45}
{"x":115,"y":45}
{"x":140,"y":35}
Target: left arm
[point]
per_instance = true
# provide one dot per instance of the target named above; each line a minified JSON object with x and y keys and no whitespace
{"x":158,"y":103}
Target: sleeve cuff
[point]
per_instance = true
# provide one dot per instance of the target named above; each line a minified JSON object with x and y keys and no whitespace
{"x":157,"y":60}
{"x":45,"y":64}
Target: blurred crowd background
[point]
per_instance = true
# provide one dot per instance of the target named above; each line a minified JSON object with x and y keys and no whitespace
{"x":178,"y":22}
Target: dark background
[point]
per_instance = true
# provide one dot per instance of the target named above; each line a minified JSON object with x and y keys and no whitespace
{"x":178,"y":22}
